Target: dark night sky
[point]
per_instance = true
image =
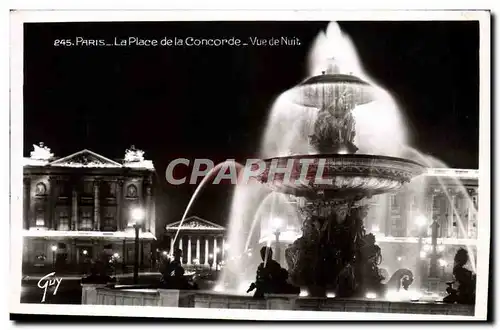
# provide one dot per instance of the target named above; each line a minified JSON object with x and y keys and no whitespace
{"x":213,"y":102}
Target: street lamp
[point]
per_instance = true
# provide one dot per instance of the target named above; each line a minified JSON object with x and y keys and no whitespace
{"x":217,"y":250}
{"x":421,"y":222}
{"x":276,"y":226}
{"x":435,"y":249}
{"x":114,"y":261}
{"x":137,"y":215}
{"x":443,"y":263}
{"x":210,"y":260}
{"x":54,"y":249}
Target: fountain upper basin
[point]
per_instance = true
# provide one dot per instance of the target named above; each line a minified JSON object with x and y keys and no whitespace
{"x":340,"y":176}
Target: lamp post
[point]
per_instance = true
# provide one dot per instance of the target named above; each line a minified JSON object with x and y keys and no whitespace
{"x":421,"y":222}
{"x":210,"y":261}
{"x":434,"y":257}
{"x":137,"y":216}
{"x":54,"y":249}
{"x":276,"y":225}
{"x":217,"y":250}
{"x":443,"y":263}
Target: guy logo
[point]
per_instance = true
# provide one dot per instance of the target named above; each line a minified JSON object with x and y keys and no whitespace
{"x":46,"y":282}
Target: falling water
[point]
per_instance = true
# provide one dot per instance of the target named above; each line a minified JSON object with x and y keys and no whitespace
{"x":380,"y":130}
{"x":432,"y":162}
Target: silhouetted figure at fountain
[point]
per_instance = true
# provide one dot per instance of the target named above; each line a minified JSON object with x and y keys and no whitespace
{"x":465,"y":293}
{"x":173,"y":274}
{"x":99,"y":273}
{"x":271,"y":277}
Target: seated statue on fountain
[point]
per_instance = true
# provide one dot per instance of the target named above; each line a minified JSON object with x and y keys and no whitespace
{"x":173,"y":274}
{"x":465,"y":293}
{"x":271,"y":277}
{"x":336,"y":254}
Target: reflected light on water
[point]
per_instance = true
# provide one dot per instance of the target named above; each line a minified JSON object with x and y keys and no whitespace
{"x":218,"y":288}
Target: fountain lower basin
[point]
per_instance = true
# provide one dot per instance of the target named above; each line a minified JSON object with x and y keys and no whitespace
{"x":101,"y":295}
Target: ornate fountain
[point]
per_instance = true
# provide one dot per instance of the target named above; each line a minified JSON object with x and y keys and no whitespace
{"x":335,"y":254}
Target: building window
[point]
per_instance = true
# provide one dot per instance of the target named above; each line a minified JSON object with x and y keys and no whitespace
{"x":109,"y":223}
{"x":62,"y":189}
{"x":86,"y":220}
{"x":40,"y":218}
{"x":40,"y":252}
{"x":41,"y":189}
{"x":414,"y":201}
{"x":131,"y":191}
{"x":435,"y":202}
{"x":110,"y":189}
{"x":394,"y":201}
{"x":63,"y":223}
{"x":88,"y":187}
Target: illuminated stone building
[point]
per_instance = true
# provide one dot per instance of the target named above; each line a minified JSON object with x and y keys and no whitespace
{"x":202,"y":241}
{"x":447,"y":196}
{"x":78,"y":206}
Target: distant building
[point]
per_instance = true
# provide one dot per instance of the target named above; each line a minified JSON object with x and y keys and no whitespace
{"x":200,"y":240}
{"x":77,"y":206}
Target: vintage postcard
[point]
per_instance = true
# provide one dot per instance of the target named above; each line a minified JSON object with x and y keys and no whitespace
{"x":252,"y":165}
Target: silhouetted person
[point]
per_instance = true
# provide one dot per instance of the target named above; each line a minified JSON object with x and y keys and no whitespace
{"x":173,"y":267}
{"x":271,"y":278}
{"x":465,"y":293}
{"x":173,"y":273}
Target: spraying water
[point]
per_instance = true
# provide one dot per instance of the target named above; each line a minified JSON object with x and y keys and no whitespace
{"x":207,"y":177}
{"x":380,"y":130}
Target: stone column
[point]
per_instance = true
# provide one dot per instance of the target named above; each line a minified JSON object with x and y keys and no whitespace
{"x":26,"y":203}
{"x":431,"y":209}
{"x":124,"y":255}
{"x":206,"y":252}
{"x":97,"y":207}
{"x":171,"y":252}
{"x":223,"y":247}
{"x":472,"y":211}
{"x":198,"y":249}
{"x":74,"y":209}
{"x":462,"y":217}
{"x":119,"y":221}
{"x":52,"y":203}
{"x":451,"y":228}
{"x":74,"y":254}
{"x":434,"y":256}
{"x":147,"y":225}
{"x":180,"y":247}
{"x":189,"y":251}
{"x":215,"y":251}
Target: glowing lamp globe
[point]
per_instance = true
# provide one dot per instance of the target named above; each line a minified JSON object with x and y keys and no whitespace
{"x":137,"y":215}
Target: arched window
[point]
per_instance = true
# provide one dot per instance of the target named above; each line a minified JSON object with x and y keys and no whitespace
{"x":40,"y":189}
{"x":131,"y":190}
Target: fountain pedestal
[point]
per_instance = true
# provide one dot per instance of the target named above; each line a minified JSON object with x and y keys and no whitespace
{"x":334,"y":253}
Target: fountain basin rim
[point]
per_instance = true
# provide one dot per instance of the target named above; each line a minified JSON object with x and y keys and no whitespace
{"x":347,"y":156}
{"x":333,"y":79}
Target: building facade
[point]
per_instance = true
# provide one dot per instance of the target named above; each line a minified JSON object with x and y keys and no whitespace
{"x":402,"y":222}
{"x":203,"y":242}
{"x":80,"y":205}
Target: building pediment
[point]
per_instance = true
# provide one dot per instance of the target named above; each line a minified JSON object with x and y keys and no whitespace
{"x":195,"y":223}
{"x":85,"y":158}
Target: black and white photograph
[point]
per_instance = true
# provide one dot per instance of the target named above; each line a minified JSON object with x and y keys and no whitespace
{"x":260,"y":166}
